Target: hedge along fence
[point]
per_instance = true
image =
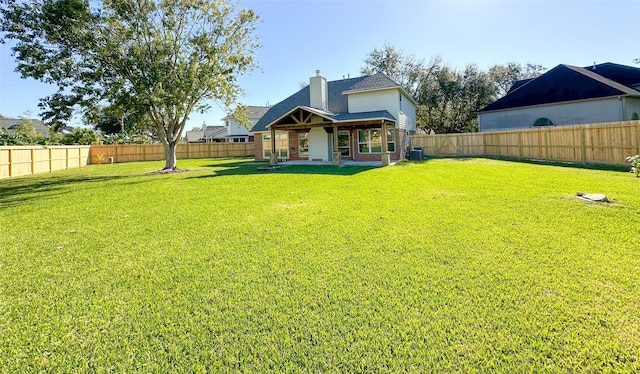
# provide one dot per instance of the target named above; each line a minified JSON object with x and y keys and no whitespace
{"x":601,"y":143}
{"x":26,"y":160}
{"x":101,"y":154}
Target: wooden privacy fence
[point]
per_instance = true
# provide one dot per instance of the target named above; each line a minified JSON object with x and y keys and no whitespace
{"x":101,"y":154}
{"x":601,"y":143}
{"x":16,"y":161}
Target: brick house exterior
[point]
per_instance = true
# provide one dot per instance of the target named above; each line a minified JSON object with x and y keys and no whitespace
{"x":367,"y":118}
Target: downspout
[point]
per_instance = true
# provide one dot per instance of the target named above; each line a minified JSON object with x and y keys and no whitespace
{"x":624,"y":109}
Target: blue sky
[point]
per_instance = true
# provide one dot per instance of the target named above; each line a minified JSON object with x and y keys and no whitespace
{"x":335,"y":37}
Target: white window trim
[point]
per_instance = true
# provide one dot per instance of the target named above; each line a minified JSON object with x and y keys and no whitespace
{"x":286,"y":148}
{"x":393,"y":134}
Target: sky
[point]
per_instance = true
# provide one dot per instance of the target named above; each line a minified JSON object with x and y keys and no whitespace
{"x":335,"y":37}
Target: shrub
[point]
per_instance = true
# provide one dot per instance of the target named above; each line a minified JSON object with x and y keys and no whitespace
{"x":635,"y":164}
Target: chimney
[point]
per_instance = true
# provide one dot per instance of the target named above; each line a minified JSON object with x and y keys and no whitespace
{"x":318,"y":92}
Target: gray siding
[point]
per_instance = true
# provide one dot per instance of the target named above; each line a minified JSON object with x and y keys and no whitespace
{"x":632,"y":106}
{"x":573,"y":113}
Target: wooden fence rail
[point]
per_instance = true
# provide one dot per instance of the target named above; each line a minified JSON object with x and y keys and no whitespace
{"x":16,"y":161}
{"x":101,"y":154}
{"x":601,"y":143}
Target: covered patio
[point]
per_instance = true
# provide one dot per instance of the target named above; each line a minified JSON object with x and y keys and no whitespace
{"x":322,"y":136}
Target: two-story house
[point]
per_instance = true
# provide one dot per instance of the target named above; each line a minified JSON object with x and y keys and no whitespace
{"x":230,"y":132}
{"x":367,"y":118}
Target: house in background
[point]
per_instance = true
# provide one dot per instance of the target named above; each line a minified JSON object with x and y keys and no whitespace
{"x":567,"y":95}
{"x":231,"y":132}
{"x":11,"y":124}
{"x":368,"y":118}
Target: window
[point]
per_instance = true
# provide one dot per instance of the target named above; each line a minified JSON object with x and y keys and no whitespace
{"x":303,"y":144}
{"x":391,"y":140}
{"x":543,"y":122}
{"x":370,"y":141}
{"x":282,"y":145}
{"x":634,"y":117}
{"x":343,"y":143}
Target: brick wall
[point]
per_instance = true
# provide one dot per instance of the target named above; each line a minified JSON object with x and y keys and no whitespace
{"x":257,"y":146}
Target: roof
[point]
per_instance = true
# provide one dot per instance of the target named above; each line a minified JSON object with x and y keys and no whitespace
{"x":12,"y":123}
{"x":338,"y":108}
{"x":254,"y":112}
{"x":193,"y":136}
{"x":566,"y":83}
{"x":215,"y":132}
{"x":626,"y":75}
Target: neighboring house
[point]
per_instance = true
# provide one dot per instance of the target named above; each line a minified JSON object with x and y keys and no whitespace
{"x":237,"y":133}
{"x":231,"y":132}
{"x":201,"y":136}
{"x":567,"y":95}
{"x":367,"y":118}
{"x":11,"y":124}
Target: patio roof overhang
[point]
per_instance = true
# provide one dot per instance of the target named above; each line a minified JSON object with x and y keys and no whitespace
{"x":304,"y":117}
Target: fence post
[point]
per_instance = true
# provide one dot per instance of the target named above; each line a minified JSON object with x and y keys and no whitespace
{"x":583,"y":146}
{"x":546,"y":145}
{"x":484,"y":144}
{"x":50,"y":160}
{"x":33,"y":160}
{"x":638,"y":137}
{"x":520,"y":154}
{"x":67,"y":158}
{"x":10,"y":162}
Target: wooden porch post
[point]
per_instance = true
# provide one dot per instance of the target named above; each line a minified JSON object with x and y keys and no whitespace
{"x":273,"y":160}
{"x":385,"y":150}
{"x":336,"y":151}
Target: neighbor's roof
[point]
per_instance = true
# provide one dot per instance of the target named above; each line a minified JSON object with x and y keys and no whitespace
{"x":11,"y":123}
{"x":336,"y":98}
{"x":570,"y":83}
{"x":254,"y":112}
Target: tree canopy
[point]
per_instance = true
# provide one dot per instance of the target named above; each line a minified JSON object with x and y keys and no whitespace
{"x":158,"y":59}
{"x":448,"y":98}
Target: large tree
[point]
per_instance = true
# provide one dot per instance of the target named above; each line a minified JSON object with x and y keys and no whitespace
{"x":169,"y":57}
{"x":448,"y":98}
{"x":504,"y":76}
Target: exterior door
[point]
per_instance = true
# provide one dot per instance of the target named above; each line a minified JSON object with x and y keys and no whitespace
{"x":344,"y":143}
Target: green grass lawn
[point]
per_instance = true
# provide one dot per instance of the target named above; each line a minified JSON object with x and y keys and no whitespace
{"x":463,"y":265}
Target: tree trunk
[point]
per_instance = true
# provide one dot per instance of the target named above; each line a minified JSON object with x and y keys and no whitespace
{"x":170,"y":152}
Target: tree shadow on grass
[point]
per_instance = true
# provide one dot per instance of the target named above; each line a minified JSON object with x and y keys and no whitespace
{"x":253,"y":168}
{"x":532,"y":162}
{"x":20,"y":190}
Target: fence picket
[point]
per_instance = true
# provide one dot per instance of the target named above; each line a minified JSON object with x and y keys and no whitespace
{"x":600,"y":143}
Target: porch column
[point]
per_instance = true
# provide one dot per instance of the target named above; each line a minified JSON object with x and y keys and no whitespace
{"x":386,"y":159}
{"x":274,"y":153}
{"x":336,"y":151}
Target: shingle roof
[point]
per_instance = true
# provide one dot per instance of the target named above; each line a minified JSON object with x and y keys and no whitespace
{"x":254,"y":112}
{"x":11,"y":123}
{"x":337,"y":102}
{"x":560,"y":84}
{"x":377,"y":81}
{"x":627,"y":75}
{"x":378,"y":114}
